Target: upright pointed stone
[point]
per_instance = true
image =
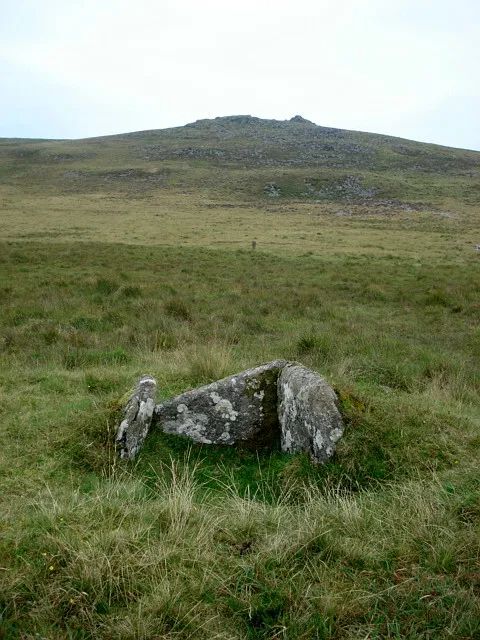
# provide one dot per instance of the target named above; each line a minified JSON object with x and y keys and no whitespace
{"x":137,"y":417}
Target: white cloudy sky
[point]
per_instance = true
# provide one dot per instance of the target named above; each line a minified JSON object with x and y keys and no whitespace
{"x":77,"y":68}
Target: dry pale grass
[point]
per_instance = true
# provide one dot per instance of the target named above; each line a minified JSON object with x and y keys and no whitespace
{"x":176,"y":560}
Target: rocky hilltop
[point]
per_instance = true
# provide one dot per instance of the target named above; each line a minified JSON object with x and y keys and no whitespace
{"x":251,"y":158}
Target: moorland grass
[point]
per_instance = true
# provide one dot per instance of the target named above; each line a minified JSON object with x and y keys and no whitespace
{"x":129,"y":254}
{"x":198,"y":542}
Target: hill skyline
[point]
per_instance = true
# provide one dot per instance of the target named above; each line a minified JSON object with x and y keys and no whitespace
{"x":232,"y":118}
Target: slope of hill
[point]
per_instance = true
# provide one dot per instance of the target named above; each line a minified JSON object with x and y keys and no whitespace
{"x":302,"y":160}
{"x":188,"y":185}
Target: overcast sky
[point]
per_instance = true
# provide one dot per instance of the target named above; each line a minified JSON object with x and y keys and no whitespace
{"x":77,"y":68}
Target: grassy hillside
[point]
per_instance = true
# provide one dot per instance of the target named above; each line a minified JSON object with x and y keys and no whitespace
{"x":131,"y":254}
{"x":186,"y":185}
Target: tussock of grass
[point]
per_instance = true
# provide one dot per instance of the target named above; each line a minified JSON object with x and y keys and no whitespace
{"x":177,"y":560}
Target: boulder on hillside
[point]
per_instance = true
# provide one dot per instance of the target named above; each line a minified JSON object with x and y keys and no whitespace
{"x":308,"y":414}
{"x":238,"y":409}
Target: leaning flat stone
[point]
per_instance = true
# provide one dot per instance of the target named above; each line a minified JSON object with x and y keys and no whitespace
{"x":240,"y":408}
{"x":308,"y":414}
{"x":137,"y":417}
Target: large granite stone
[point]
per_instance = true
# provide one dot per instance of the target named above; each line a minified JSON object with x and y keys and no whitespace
{"x":239,"y":409}
{"x":308,"y":414}
{"x":278,"y":404}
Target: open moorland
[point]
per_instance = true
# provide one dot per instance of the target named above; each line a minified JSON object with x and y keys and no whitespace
{"x":133,"y":254}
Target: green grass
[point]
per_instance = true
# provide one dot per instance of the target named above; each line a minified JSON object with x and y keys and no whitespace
{"x":198,"y":542}
{"x":110,"y":279}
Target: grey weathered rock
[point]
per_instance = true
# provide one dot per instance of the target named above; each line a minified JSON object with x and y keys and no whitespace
{"x":240,"y":408}
{"x":301,"y":120}
{"x":308,"y":414}
{"x":276,"y":404}
{"x":137,"y":418}
{"x":272,"y":190}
